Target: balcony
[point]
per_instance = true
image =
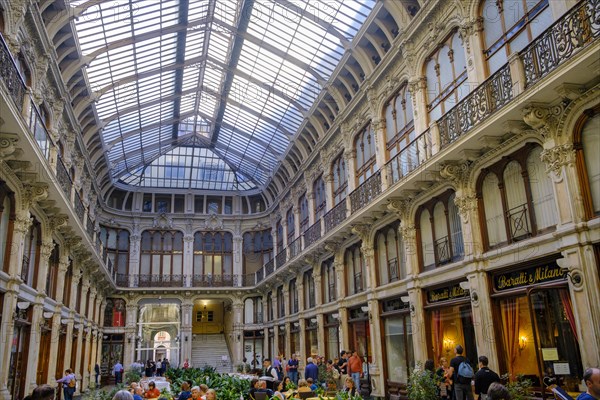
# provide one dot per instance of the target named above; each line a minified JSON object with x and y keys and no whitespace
{"x":159,"y":280}
{"x":335,"y":216}
{"x":518,"y":223}
{"x":312,"y":234}
{"x":366,"y":193}
{"x":409,"y":158}
{"x":442,"y":250}
{"x":280,"y":259}
{"x":209,"y":280}
{"x":295,"y":247}
{"x":394,"y":270}
{"x":269,"y":267}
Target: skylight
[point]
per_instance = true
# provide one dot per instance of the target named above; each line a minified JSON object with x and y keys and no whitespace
{"x":193,"y":92}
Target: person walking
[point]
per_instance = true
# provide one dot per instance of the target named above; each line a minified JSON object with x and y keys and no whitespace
{"x":355,"y":368}
{"x":68,"y":383}
{"x":484,"y":378}
{"x":118,"y":372}
{"x":311,"y":370}
{"x":460,"y":368}
{"x":293,"y":369}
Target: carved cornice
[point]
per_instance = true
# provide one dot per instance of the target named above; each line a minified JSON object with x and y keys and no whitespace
{"x":362,"y":231}
{"x":8,"y":143}
{"x":33,"y":193}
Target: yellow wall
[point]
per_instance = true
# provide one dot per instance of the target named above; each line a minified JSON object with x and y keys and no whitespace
{"x":216,"y":326}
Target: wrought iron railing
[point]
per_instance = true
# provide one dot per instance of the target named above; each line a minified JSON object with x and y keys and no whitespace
{"x":162,"y":280}
{"x":486,"y":99}
{"x":79,"y":208}
{"x":10,"y":75}
{"x":209,"y":280}
{"x":312,"y":234}
{"x":258,"y":318}
{"x":25,"y":268}
{"x":335,"y":216}
{"x":249,"y":280}
{"x":90,"y":226}
{"x":563,"y":39}
{"x":270,"y":267}
{"x":518,"y":222}
{"x":295,"y":247}
{"x":280,"y":259}
{"x":394,"y":271}
{"x":358,"y":286}
{"x":366,"y":193}
{"x":122,"y":280}
{"x":63,"y":178}
{"x":442,"y":250}
{"x":409,"y":158}
{"x":260,"y":275}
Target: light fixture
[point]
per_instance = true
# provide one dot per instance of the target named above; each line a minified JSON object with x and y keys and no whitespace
{"x":365,"y":308}
{"x":296,"y":324}
{"x":448,"y":344}
{"x":64,"y":321}
{"x":405,"y":299}
{"x":48,"y":314}
{"x":465,"y":285}
{"x":23,"y":305}
{"x":335,"y":316}
{"x":313,"y":320}
{"x":522,"y":343}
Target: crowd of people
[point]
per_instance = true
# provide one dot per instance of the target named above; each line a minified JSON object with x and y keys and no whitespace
{"x":152,"y":368}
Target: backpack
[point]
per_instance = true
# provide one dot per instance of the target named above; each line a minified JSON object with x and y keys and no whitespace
{"x":465,"y":372}
{"x":335,"y":373}
{"x":72,"y":383}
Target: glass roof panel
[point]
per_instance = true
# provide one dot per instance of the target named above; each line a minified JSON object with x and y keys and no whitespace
{"x":178,"y":108}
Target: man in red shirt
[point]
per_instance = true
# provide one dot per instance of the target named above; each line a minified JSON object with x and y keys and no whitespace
{"x":355,"y":368}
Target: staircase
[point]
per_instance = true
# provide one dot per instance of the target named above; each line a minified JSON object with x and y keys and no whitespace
{"x":211,"y":350}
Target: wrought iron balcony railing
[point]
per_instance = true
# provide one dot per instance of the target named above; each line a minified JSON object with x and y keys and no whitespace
{"x":366,"y":193}
{"x":518,"y":222}
{"x":155,"y":280}
{"x":209,"y":280}
{"x":442,"y":250}
{"x":269,"y":267}
{"x":79,"y":207}
{"x":280,"y":259}
{"x":394,"y":270}
{"x":409,"y":158}
{"x":312,"y":234}
{"x":295,"y":247}
{"x":335,"y":216}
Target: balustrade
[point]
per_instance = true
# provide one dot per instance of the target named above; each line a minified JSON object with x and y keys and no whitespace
{"x":409,"y":158}
{"x":280,"y":258}
{"x":209,"y":280}
{"x":11,"y":76}
{"x":312,"y":234}
{"x":366,"y":193}
{"x":295,"y":248}
{"x":79,"y":208}
{"x":161,"y":280}
{"x":335,"y":216}
{"x":63,"y":178}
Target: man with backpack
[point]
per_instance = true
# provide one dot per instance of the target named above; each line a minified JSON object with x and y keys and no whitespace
{"x":462,"y":375}
{"x":69,"y":384}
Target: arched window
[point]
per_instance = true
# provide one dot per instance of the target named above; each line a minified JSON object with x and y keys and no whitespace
{"x":280,"y":303}
{"x":517,"y":198}
{"x":309,"y":290}
{"x":23,"y":69}
{"x":31,"y":247}
{"x":270,"y":306}
{"x":161,"y":260}
{"x":291,"y":226}
{"x":328,"y":280}
{"x":6,"y":225}
{"x":440,"y":231}
{"x":587,"y":143}
{"x":293,"y":294}
{"x":390,"y":254}
{"x":213,"y":259}
{"x":320,"y":198}
{"x":399,"y":125}
{"x":53,"y":272}
{"x":304,"y":213}
{"x":364,"y":145}
{"x":258,"y":250}
{"x":340,"y":179}
{"x":253,"y":310}
{"x":279,"y":236}
{"x":355,"y":269}
{"x":509,"y":26}
{"x":116,"y":245}
{"x":446,"y":73}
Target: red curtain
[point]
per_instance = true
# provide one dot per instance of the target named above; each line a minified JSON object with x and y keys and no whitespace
{"x":510,"y":332}
{"x":568,"y":307}
{"x":438,"y":335}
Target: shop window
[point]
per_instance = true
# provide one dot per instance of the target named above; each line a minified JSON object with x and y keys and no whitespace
{"x":391,"y":257}
{"x":355,"y":269}
{"x":328,"y":280}
{"x":364,"y":146}
{"x":320,"y":198}
{"x":304,"y":218}
{"x":517,"y":197}
{"x":399,"y":347}
{"x":509,"y":26}
{"x":452,"y":325}
{"x":440,"y":231}
{"x":114,"y":313}
{"x":586,"y":143}
{"x":340,"y":179}
{"x":539,"y":335}
{"x":7,"y":209}
{"x":446,"y":74}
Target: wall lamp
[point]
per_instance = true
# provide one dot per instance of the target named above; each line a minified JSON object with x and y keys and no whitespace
{"x":406,"y":300}
{"x":336,"y":316}
{"x":296,"y":324}
{"x":313,"y":320}
{"x":48,"y":314}
{"x":22,"y":307}
{"x":473,"y":294}
{"x":522,"y":343}
{"x":365,"y":309}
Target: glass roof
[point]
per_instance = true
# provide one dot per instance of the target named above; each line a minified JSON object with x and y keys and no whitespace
{"x":207,"y":94}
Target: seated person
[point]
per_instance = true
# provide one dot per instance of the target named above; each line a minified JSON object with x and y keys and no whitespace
{"x":303,"y":387}
{"x":185,"y":391}
{"x":152,"y":392}
{"x":313,"y":386}
{"x":211,"y":394}
{"x":254,"y":386}
{"x":138,"y":393}
{"x":263,"y":388}
{"x":279,"y":391}
{"x":350,"y":388}
{"x":196,"y":393}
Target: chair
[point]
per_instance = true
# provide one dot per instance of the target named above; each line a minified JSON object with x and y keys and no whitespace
{"x":260,"y":396}
{"x":306,"y":395}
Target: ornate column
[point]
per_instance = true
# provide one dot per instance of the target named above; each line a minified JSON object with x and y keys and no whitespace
{"x":63,"y":265}
{"x":188,"y":259}
{"x":321,"y":332}
{"x":238,"y":259}
{"x":85,"y":287}
{"x":21,"y":226}
{"x":417,"y":318}
{"x":318,"y":287}
{"x":340,"y":275}
{"x":78,"y":369}
{"x":238,"y":331}
{"x":470,"y":33}
{"x":288,"y":340}
{"x":380,"y":146}
{"x":364,"y":232}
{"x":135,"y":240}
{"x":286,"y":299}
{"x":310,"y":197}
{"x":54,"y":338}
{"x":300,"y":287}
{"x":6,"y":332}
{"x":130,"y":334}
{"x":87,"y":368}
{"x":375,"y":367}
{"x":37,"y":319}
{"x":68,"y":343}
{"x":328,"y":178}
{"x":93,"y":356}
{"x":44,"y":263}
{"x":187,"y":308}
{"x":350,"y":160}
{"x":303,"y":351}
{"x":344,"y":330}
{"x":417,"y":87}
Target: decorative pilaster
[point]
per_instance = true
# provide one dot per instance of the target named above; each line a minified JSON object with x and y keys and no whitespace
{"x":375,"y":367}
{"x":238,"y":332}
{"x":78,"y":368}
{"x":6,"y":334}
{"x":186,"y":330}
{"x":44,"y":264}
{"x":54,"y":339}
{"x":238,"y":259}
{"x":344,"y":330}
{"x":37,"y":320}
{"x":85,"y":372}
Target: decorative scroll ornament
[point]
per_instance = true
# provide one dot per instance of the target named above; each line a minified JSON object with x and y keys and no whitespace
{"x":362,"y":231}
{"x":22,"y":223}
{"x":33,"y":193}
{"x":544,"y":119}
{"x":213,"y":223}
{"x":557,"y":157}
{"x":162,"y":222}
{"x":401,"y":206}
{"x":57,"y":221}
{"x":8,"y":143}
{"x":458,"y":174}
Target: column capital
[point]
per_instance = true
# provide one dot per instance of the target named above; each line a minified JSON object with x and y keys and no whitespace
{"x":557,"y":157}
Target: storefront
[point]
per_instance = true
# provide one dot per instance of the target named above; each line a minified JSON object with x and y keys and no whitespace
{"x":112,"y":351}
{"x":281,"y":342}
{"x":360,"y":332}
{"x":332,"y":335}
{"x":311,"y":336}
{"x":398,"y":352}
{"x":253,"y":348}
{"x":295,"y":337}
{"x":448,"y":310}
{"x":537,"y":334}
{"x":18,"y":351}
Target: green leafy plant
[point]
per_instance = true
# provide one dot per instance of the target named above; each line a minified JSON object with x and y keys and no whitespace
{"x":422,"y":385}
{"x":227,"y":387}
{"x":290,"y":386}
{"x":132,"y":375}
{"x":518,"y":387}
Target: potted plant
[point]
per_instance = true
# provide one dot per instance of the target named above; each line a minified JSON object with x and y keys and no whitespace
{"x":518,"y":386}
{"x":422,"y":385}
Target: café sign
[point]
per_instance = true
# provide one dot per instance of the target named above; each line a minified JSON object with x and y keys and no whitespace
{"x":446,"y":294}
{"x":530,"y":276}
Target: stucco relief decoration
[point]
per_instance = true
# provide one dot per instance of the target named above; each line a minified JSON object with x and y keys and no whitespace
{"x":557,"y":157}
{"x":466,"y":204}
{"x":544,"y":119}
{"x":162,"y":222}
{"x":7,"y":143}
{"x":213,"y":223}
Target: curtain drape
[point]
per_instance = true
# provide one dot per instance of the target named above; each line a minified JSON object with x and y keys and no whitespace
{"x":510,"y":333}
{"x":568,"y":307}
{"x":437,"y":334}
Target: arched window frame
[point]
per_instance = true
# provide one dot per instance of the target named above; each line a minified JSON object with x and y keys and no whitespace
{"x":31,"y":254}
{"x":279,"y":235}
{"x":213,"y":257}
{"x":164,"y":256}
{"x":445,"y":249}
{"x":340,"y":179}
{"x":309,"y":290}
{"x":320,"y":197}
{"x":580,"y":162}
{"x":392,"y":268}
{"x":399,"y":121}
{"x":446,"y":96}
{"x":328,"y":280}
{"x":364,"y":146}
{"x":291,"y":225}
{"x":522,"y":216}
{"x":355,"y":269}
{"x":118,"y":253}
{"x":257,"y":245}
{"x":293,"y":296}
{"x":280,"y":302}
{"x":513,"y":24}
{"x":304,"y":213}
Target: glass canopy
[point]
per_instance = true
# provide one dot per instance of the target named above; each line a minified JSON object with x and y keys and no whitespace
{"x":207,"y":94}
